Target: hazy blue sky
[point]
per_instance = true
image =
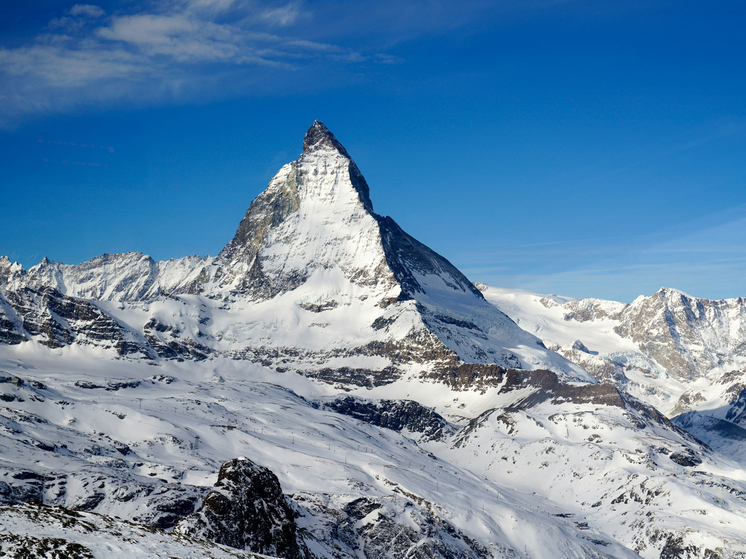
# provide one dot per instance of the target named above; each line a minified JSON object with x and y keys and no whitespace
{"x":586,"y":148}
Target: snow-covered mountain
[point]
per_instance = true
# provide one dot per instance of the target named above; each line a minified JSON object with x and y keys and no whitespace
{"x":312,"y":270}
{"x":329,"y":387}
{"x":684,"y":355}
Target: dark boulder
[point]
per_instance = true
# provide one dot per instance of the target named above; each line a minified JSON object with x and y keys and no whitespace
{"x":246,"y":510}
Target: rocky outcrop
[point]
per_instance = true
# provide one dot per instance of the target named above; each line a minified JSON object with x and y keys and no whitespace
{"x":397,"y":415}
{"x":11,"y":325}
{"x":130,"y":276}
{"x":246,"y":510}
{"x":171,"y":343}
{"x":687,"y":336}
{"x":56,"y":320}
{"x":408,"y":258}
{"x":400,"y":526}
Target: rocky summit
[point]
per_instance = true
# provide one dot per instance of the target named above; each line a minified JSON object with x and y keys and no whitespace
{"x":329,"y":387}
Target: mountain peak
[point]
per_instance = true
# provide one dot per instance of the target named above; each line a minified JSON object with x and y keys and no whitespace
{"x":320,"y":137}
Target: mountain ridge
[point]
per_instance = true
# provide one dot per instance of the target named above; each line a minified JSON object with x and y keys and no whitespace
{"x":312,"y":228}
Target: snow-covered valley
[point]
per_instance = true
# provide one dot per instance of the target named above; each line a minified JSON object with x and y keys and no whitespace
{"x":145,"y":443}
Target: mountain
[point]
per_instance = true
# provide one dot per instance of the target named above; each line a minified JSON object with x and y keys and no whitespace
{"x":329,"y":387}
{"x":684,"y":355}
{"x":311,"y":263}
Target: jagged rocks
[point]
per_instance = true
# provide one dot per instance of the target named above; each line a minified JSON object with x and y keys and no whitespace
{"x":22,"y":486}
{"x":56,"y":320}
{"x":246,"y":510}
{"x":352,"y":377}
{"x":397,"y":415}
{"x":687,"y":460}
{"x":170,"y":343}
{"x":541,"y":384}
{"x":399,"y":526}
{"x":23,"y":546}
{"x":11,"y":331}
{"x":686,"y":335}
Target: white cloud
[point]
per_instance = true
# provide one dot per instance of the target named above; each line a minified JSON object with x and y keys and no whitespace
{"x":58,"y":66}
{"x":168,"y":48}
{"x":215,"y":6}
{"x":87,"y":10}
{"x":281,"y":16}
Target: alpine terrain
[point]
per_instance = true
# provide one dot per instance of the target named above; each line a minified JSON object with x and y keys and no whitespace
{"x":329,"y":387}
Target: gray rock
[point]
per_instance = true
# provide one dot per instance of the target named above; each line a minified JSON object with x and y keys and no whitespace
{"x":246,"y":510}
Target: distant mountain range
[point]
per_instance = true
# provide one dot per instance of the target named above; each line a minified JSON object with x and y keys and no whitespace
{"x":327,"y":386}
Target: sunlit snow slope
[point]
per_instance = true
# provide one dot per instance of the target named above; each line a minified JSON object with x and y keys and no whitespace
{"x":494,"y":474}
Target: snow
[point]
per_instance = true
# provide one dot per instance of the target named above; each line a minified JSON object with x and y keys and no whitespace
{"x":495,"y":485}
{"x":103,"y":536}
{"x":547,"y":322}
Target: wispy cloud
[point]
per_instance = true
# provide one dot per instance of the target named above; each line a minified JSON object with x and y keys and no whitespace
{"x":87,"y":10}
{"x":281,"y":16}
{"x":169,"y":50}
{"x":164,"y":49}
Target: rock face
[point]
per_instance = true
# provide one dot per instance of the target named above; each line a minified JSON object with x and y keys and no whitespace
{"x":397,"y":415}
{"x":685,"y":335}
{"x":246,"y":510}
{"x":688,"y":336}
{"x":57,"y":320}
{"x":392,"y":528}
{"x":312,"y":274}
{"x":131,"y":276}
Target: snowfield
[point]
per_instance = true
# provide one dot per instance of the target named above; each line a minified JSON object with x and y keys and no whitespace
{"x":121,"y":438}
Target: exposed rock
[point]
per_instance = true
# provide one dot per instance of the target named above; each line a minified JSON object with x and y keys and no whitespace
{"x":246,"y":510}
{"x":170,"y":343}
{"x":349,"y":377}
{"x":130,"y":276}
{"x":688,"y":336}
{"x":393,"y":414}
{"x":57,"y":320}
{"x":406,"y":256}
{"x":11,"y":328}
{"x":687,"y":460}
{"x":585,"y":310}
{"x":402,"y":526}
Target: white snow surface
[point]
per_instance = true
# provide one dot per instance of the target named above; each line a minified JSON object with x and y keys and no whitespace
{"x":539,"y":481}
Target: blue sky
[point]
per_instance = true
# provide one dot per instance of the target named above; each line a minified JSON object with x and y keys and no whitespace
{"x":586,"y":148}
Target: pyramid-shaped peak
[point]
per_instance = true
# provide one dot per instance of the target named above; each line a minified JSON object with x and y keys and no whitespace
{"x":320,"y":137}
